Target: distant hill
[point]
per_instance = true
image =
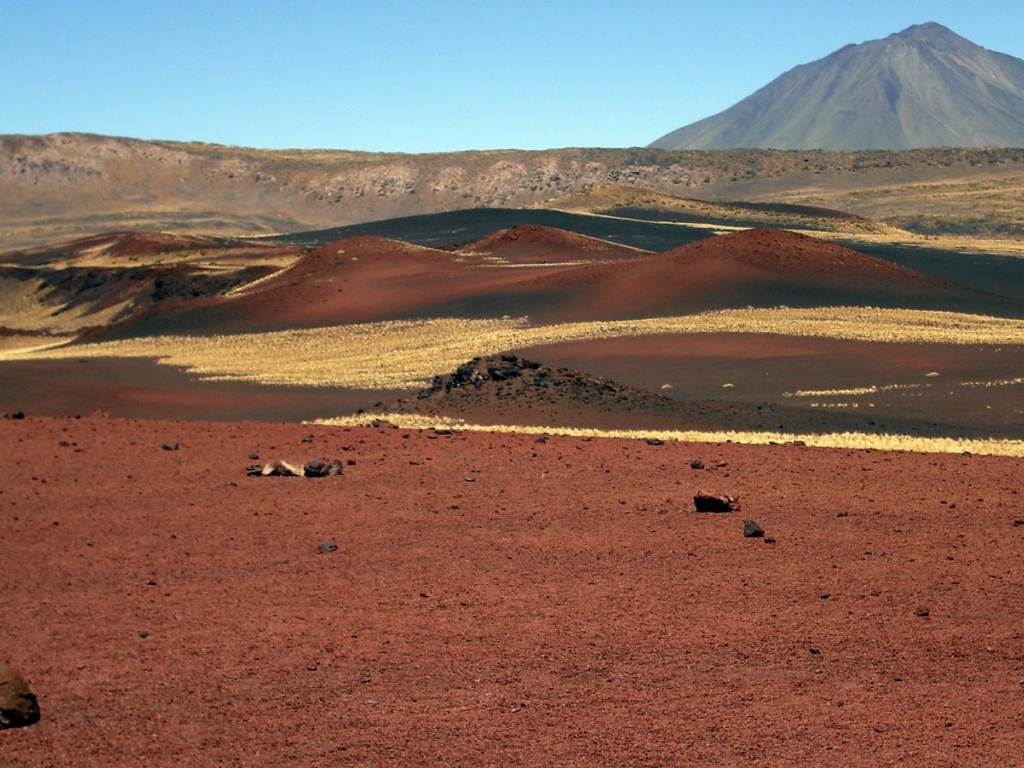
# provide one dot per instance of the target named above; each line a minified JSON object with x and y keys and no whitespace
{"x":923,"y":87}
{"x":65,"y":186}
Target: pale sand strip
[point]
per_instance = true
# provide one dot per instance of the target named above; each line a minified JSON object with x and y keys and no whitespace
{"x":849,"y":440}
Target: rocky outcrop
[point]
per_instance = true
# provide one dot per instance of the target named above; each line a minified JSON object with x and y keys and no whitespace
{"x":18,"y":705}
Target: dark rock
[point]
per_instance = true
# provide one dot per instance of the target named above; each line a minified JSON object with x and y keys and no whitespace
{"x":327,"y":546}
{"x":309,"y":438}
{"x":752,"y":530}
{"x":254,"y":470}
{"x":18,"y":705}
{"x":710,"y":502}
{"x":655,"y":441}
{"x":696,"y":464}
{"x":18,"y":415}
{"x":315,"y":468}
{"x":541,"y":440}
{"x":254,"y":457}
{"x":334,"y":468}
{"x":921,"y":611}
{"x":170,"y":446}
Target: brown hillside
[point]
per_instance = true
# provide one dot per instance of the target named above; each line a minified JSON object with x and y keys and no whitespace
{"x":533,"y":243}
{"x":749,"y":268}
{"x":70,"y":185}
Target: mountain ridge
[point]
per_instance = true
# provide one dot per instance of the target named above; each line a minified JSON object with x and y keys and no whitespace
{"x":923,"y":87}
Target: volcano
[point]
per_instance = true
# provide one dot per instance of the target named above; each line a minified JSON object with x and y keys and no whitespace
{"x":923,"y":87}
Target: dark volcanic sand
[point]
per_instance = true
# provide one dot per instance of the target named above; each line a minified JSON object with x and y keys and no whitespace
{"x":565,"y":607}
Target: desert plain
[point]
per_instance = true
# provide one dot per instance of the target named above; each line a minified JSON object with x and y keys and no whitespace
{"x":509,"y":568}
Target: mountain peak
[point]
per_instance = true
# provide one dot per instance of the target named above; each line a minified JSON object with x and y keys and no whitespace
{"x":923,"y":87}
{"x":928,"y":30}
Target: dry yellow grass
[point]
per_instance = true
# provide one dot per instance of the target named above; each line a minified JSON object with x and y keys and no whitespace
{"x":407,"y":354}
{"x":23,"y":308}
{"x":853,"y":440}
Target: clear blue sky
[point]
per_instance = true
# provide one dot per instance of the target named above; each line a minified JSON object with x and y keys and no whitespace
{"x":433,"y":75}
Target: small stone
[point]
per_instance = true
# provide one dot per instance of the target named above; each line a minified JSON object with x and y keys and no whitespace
{"x":710,"y":502}
{"x":314,"y":468}
{"x":470,"y":479}
{"x":18,"y":705}
{"x":921,"y":611}
{"x":327,"y":546}
{"x":307,"y":439}
{"x":825,"y":595}
{"x":170,"y":446}
{"x":541,"y":440}
{"x":254,"y":457}
{"x":1018,"y":523}
{"x":655,"y":441}
{"x":752,"y":530}
{"x":696,"y":464}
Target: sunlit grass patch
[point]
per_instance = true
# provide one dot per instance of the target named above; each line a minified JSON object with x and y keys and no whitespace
{"x":407,"y":354}
{"x":855,"y":440}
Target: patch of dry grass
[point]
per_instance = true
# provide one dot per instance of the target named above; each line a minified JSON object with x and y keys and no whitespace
{"x":407,"y":354}
{"x":23,"y":308}
{"x":854,"y":440}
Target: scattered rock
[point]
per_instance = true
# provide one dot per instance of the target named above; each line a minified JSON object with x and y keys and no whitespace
{"x":1018,"y":523}
{"x":18,"y":705}
{"x":655,"y":441}
{"x":921,"y":611}
{"x":470,"y":479}
{"x":326,"y":547}
{"x":711,"y":502}
{"x":320,"y":468}
{"x":307,"y":439}
{"x":541,"y":440}
{"x":696,"y":464}
{"x":312,"y":468}
{"x":280,"y":468}
{"x":752,"y":530}
{"x":15,"y":415}
{"x":254,"y":457}
{"x":170,"y":446}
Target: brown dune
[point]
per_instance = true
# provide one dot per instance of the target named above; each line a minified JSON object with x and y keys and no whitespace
{"x":530,"y":243}
{"x":361,"y":279}
{"x":756,"y":267}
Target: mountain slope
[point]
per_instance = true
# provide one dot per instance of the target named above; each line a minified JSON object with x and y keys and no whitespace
{"x":923,"y":87}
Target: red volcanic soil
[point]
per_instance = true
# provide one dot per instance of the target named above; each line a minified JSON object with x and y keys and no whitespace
{"x":531,"y":243}
{"x":755,"y":267}
{"x":360,"y":279}
{"x":494,"y":600}
{"x":369,"y":278}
